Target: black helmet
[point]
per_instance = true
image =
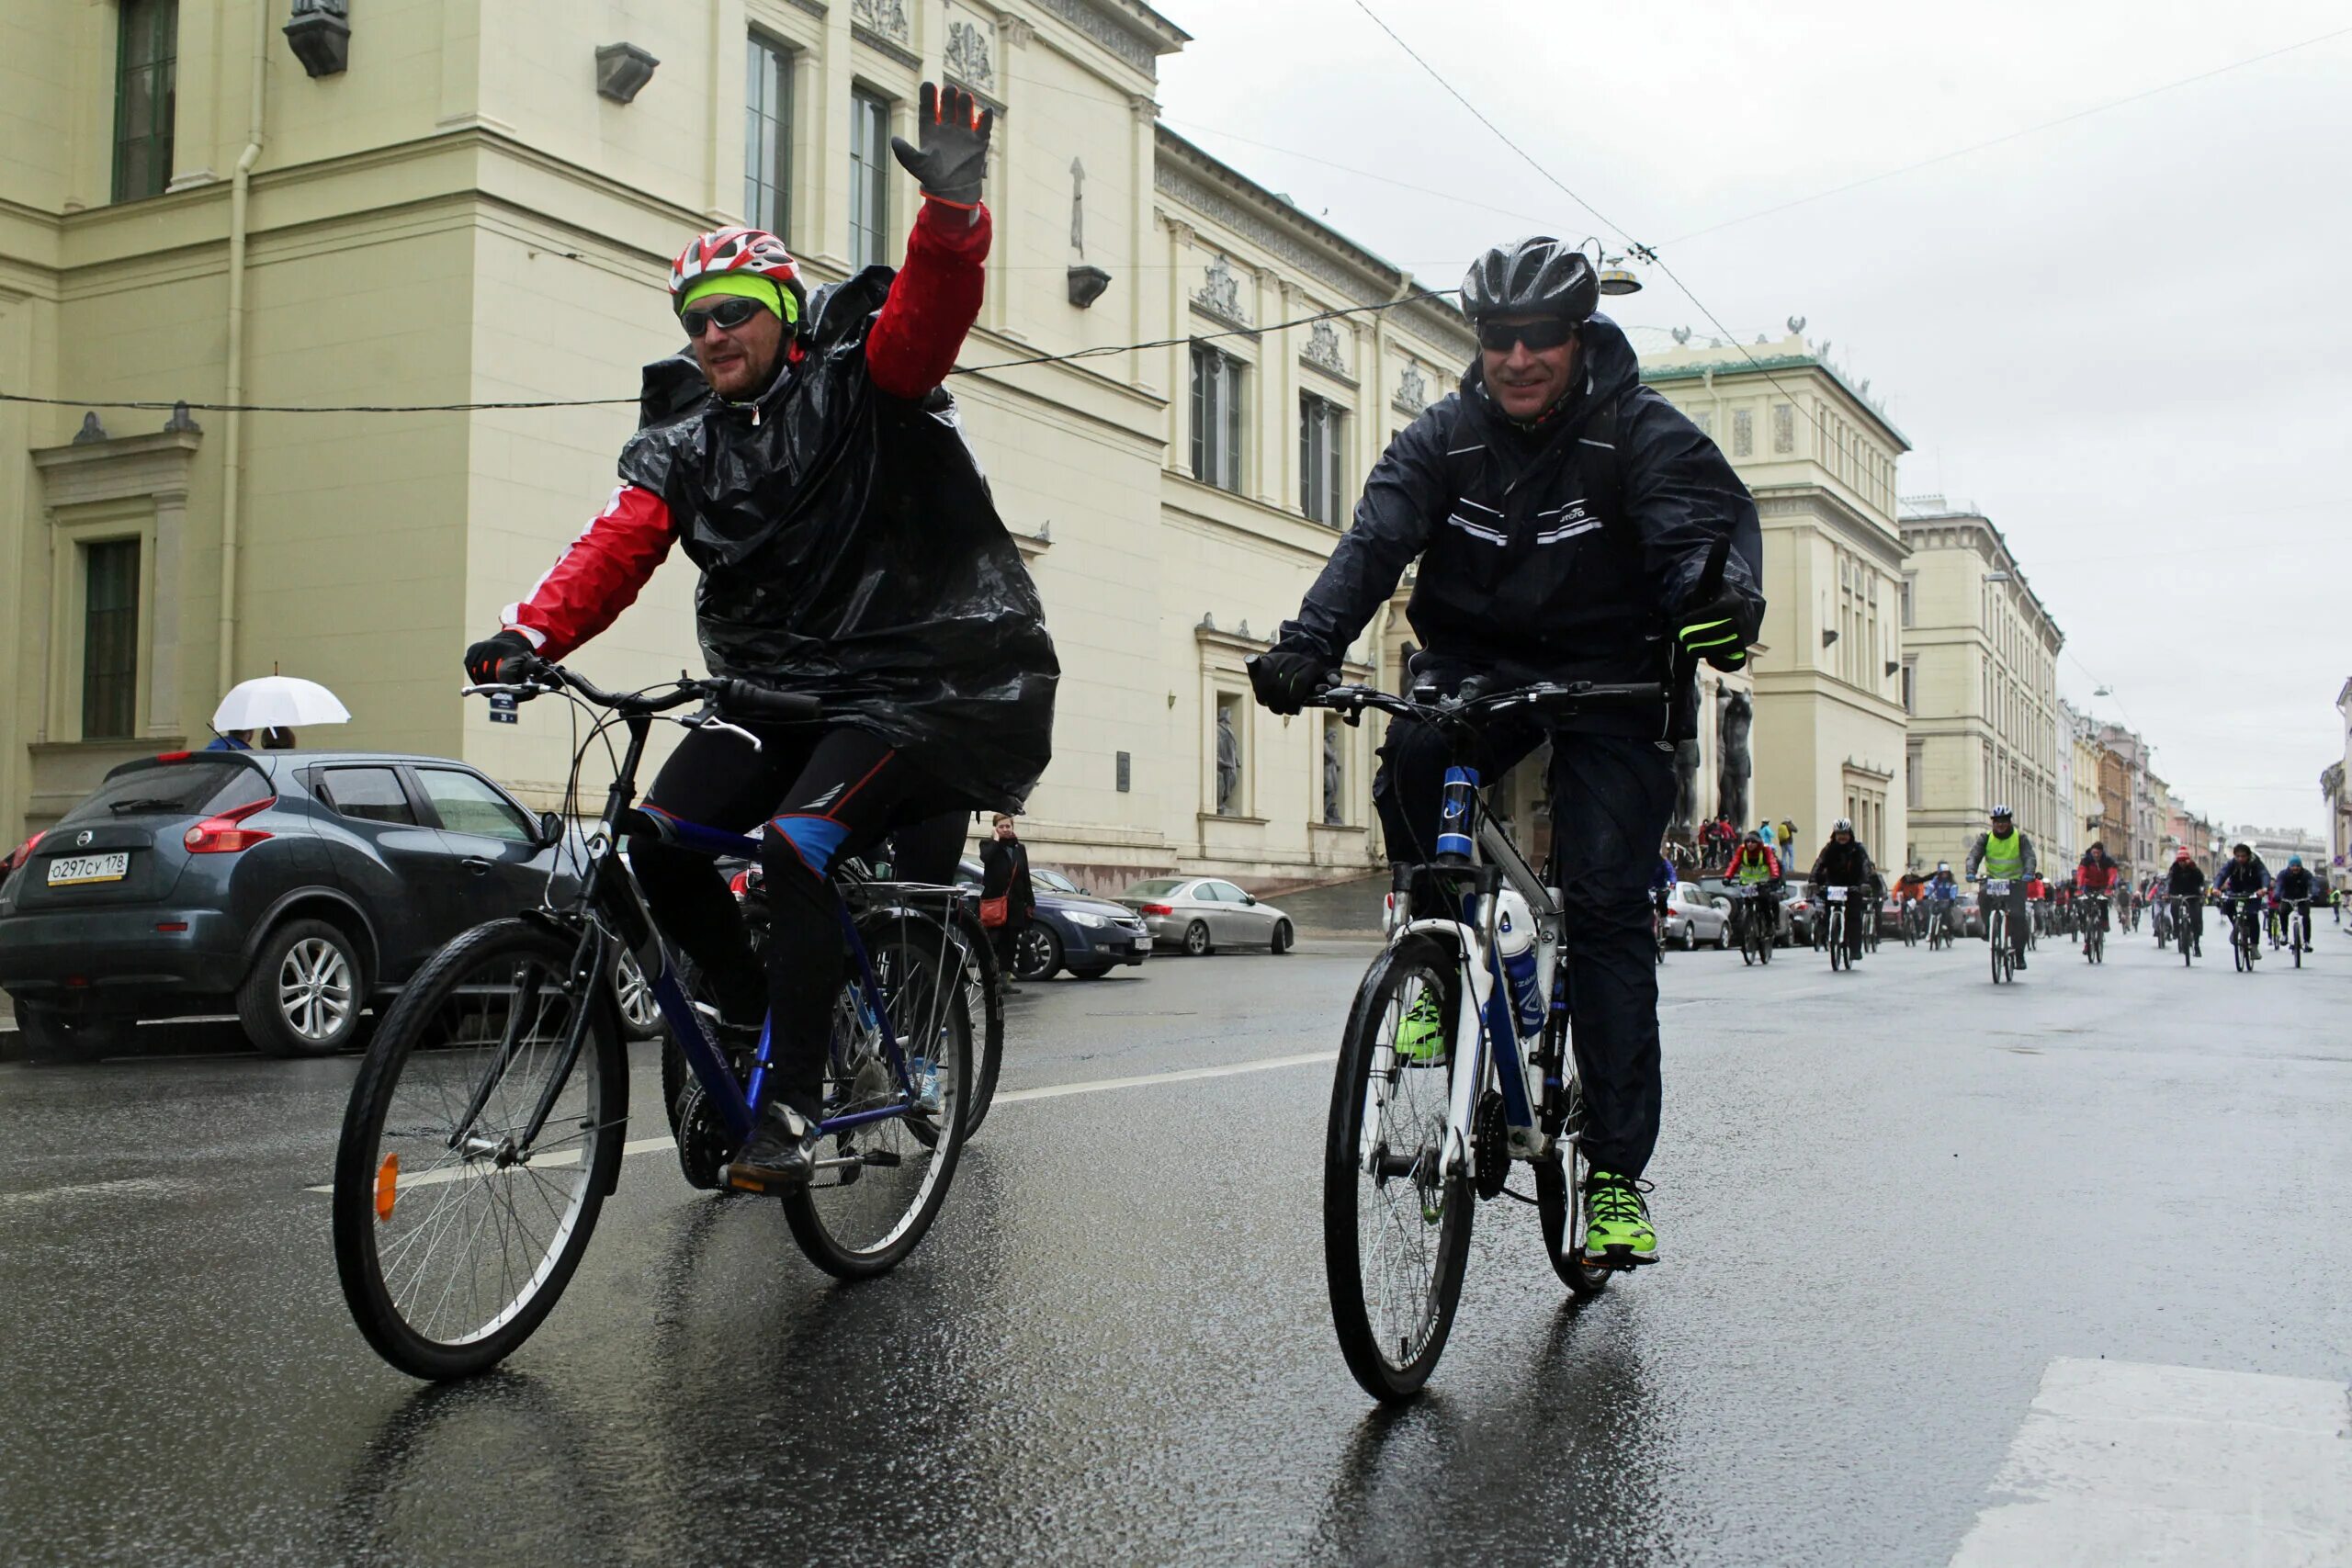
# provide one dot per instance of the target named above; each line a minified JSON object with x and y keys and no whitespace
{"x":1537,"y":277}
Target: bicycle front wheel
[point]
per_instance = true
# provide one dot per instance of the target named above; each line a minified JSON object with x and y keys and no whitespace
{"x":878,"y":1184}
{"x":1395,"y":1224}
{"x":455,"y":1228}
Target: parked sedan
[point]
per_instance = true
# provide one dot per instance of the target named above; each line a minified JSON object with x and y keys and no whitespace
{"x":1073,"y":930}
{"x":1691,"y":917}
{"x":291,"y":886}
{"x":1198,"y":913}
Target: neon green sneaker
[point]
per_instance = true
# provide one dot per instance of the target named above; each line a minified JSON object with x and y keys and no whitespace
{"x":1618,"y":1220}
{"x":1420,"y":1035}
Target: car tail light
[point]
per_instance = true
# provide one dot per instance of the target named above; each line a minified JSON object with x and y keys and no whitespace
{"x":1154,"y":909}
{"x":222,"y":835}
{"x":20,"y":854}
{"x":174,"y":756}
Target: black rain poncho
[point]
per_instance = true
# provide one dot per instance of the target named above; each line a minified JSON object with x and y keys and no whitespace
{"x":851,"y":549}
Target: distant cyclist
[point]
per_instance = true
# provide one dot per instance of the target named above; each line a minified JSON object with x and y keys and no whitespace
{"x":2099,"y":873}
{"x":2295,"y":886}
{"x":1755,"y":869}
{"x":2243,"y":878}
{"x":2006,"y":854}
{"x":2185,"y":885}
{"x":1844,"y":862}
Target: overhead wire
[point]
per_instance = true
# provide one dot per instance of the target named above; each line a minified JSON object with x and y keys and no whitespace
{"x":166,"y":405}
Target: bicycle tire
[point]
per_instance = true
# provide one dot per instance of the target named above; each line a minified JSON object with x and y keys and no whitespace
{"x":449,"y":1025}
{"x":1559,"y":1205}
{"x":856,"y":1221}
{"x":986,"y":979}
{"x":1417,"y":1103}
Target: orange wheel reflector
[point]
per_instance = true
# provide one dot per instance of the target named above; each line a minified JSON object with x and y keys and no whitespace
{"x":388,"y":1177}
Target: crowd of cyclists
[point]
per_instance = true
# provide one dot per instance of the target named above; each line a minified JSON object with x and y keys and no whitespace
{"x":1932,"y":909}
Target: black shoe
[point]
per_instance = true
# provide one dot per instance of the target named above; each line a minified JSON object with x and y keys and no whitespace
{"x":780,"y":1153}
{"x":2018,"y":963}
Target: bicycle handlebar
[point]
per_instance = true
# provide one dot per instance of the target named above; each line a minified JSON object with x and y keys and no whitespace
{"x":1550,"y":697}
{"x":531,"y":677}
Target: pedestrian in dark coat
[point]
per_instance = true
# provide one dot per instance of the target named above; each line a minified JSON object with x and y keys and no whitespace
{"x":1004,"y":873}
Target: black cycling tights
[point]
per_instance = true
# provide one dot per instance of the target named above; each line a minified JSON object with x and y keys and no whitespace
{"x":823,"y":795}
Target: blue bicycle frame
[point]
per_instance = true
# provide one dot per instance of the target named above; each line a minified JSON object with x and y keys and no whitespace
{"x":738,"y":1103}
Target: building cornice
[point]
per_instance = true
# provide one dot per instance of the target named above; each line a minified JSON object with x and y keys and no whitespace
{"x":1129,"y":29}
{"x":1765,"y":368}
{"x":1974,"y":530}
{"x":1193,"y":177}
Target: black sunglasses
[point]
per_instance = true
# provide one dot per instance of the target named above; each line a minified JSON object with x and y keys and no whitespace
{"x":1498,"y":336}
{"x":729,"y":313}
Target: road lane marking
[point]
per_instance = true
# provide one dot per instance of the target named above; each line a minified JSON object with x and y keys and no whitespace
{"x":122,"y":1187}
{"x":2123,"y":1461}
{"x":1006,"y":1097}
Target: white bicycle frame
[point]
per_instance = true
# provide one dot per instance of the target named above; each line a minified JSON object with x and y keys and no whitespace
{"x":1522,"y":1087}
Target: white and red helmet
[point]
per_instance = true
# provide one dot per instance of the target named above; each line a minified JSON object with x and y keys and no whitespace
{"x":737,"y":250}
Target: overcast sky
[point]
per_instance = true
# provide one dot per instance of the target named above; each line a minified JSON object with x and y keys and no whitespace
{"x":2127,"y":339}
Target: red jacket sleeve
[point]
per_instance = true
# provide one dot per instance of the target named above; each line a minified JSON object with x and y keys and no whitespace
{"x":598,"y":577}
{"x":934,"y":301}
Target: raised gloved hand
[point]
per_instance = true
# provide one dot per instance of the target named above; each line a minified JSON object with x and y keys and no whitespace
{"x":954,"y":150}
{"x":1710,"y":631}
{"x":1284,"y":681}
{"x":483,"y":658}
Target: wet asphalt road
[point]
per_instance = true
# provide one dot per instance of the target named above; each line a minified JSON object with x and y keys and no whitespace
{"x":1888,"y":1201}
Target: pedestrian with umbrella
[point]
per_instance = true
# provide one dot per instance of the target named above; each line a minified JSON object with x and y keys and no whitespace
{"x":272,"y":705}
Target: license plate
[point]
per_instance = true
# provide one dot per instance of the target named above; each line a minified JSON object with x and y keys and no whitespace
{"x":1836,"y":894}
{"x":66,"y":870}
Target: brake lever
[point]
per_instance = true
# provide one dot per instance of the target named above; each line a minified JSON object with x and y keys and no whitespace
{"x":708,"y":720}
{"x":519,"y":689}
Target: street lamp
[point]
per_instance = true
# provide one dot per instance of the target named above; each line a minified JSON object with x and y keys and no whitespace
{"x":1616,"y":277}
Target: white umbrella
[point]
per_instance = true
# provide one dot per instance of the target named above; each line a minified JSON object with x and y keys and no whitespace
{"x":277,"y":702}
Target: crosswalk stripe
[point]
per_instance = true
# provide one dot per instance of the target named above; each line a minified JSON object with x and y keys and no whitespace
{"x":2123,"y":1462}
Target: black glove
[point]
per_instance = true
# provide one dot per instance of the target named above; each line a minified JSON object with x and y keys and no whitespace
{"x":1284,"y":680}
{"x":483,"y":658}
{"x":954,"y":151}
{"x":1710,"y":631}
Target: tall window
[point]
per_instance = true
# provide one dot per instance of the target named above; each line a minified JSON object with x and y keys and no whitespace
{"x":1915,"y":783}
{"x":109,"y":639}
{"x":869,"y":179}
{"x":1910,"y":588}
{"x":767,"y":139}
{"x":145,"y":68}
{"x":1911,"y":684}
{"x":1322,"y":441}
{"x":1217,"y":418}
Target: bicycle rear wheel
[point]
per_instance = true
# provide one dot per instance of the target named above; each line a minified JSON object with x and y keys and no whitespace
{"x":879,"y":1185}
{"x":1560,"y":1184}
{"x":451,"y":1248}
{"x":1396,"y":1224}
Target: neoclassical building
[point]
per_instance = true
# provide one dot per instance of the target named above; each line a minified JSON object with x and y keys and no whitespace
{"x":1829,"y":736}
{"x":1982,"y":658}
{"x":470,"y":203}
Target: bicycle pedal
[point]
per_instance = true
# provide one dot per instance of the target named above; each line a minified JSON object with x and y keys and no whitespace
{"x":1623,"y":1258}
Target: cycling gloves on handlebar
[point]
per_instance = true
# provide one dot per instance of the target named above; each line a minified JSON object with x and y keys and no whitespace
{"x":484,"y":659}
{"x":1284,"y":682}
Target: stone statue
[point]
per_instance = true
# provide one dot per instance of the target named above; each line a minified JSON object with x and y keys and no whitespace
{"x":1228,"y":763}
{"x":1734,"y":714}
{"x":1335,"y":774}
{"x":1686,"y":789}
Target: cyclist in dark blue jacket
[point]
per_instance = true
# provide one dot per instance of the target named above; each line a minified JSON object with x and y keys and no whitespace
{"x":2243,"y":876}
{"x":1563,"y":514}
